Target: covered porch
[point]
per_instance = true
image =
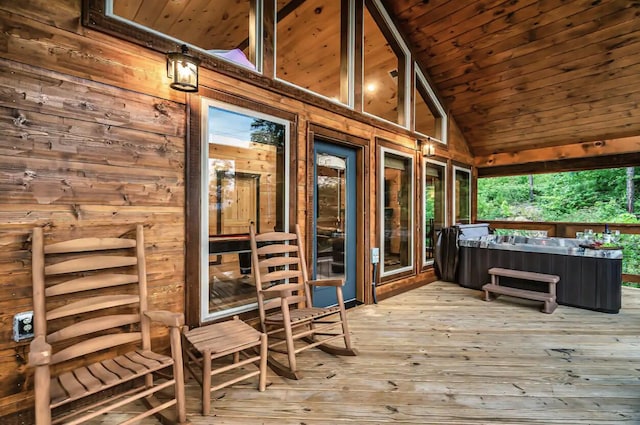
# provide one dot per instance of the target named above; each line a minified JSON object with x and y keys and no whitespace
{"x":440,"y":355}
{"x":95,"y":141}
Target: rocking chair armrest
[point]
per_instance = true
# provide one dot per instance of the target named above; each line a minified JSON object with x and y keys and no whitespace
{"x":282,"y":290}
{"x":327,"y":282}
{"x":168,"y":318}
{"x":39,"y":352}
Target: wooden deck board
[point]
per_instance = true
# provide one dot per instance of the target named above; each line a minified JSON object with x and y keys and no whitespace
{"x":438,"y":355}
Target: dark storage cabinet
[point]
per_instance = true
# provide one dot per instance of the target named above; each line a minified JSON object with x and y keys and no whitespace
{"x":586,"y":282}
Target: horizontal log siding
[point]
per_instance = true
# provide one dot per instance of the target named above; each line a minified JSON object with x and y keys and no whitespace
{"x":82,"y":158}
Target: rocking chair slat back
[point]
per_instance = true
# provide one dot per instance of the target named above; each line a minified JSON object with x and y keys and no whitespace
{"x":284,"y":300}
{"x":90,"y":306}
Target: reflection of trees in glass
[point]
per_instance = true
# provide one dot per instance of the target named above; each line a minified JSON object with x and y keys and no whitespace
{"x":267,"y":132}
{"x":330,"y":202}
{"x":328,"y":189}
{"x":463,"y":181}
{"x":430,"y":200}
{"x":434,"y":195}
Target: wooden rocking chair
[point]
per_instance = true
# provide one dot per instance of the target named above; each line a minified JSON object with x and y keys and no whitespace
{"x":92,"y":332}
{"x":282,"y":283}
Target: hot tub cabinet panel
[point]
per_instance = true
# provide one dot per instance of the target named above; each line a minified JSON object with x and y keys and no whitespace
{"x":586,"y":282}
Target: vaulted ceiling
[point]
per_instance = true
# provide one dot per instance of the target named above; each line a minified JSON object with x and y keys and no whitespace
{"x":523,"y":74}
{"x":514,"y":74}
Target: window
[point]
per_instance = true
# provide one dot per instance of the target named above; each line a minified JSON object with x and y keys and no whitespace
{"x":435,"y":190}
{"x":396,"y":190}
{"x":309,"y":45}
{"x":226,"y":32}
{"x":462,"y":195}
{"x":245,"y":181}
{"x":430,"y":118}
{"x":384,"y":68}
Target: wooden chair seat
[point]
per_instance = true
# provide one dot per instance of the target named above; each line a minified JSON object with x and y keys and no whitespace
{"x":286,"y":311}
{"x":302,"y":314}
{"x":87,"y":380}
{"x":206,"y":344}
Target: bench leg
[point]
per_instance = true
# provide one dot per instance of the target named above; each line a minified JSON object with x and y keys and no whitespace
{"x":488,"y":296}
{"x":549,"y":306}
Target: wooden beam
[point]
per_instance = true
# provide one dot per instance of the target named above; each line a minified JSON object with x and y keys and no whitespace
{"x":556,"y":166}
{"x":631,"y":278}
{"x":598,"y":148}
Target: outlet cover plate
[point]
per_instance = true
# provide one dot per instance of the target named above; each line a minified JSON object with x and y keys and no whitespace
{"x":23,"y":326}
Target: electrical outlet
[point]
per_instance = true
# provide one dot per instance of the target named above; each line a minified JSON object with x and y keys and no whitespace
{"x":23,"y":326}
{"x":375,"y":255}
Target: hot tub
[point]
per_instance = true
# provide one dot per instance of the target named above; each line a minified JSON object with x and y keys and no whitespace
{"x":589,"y":278}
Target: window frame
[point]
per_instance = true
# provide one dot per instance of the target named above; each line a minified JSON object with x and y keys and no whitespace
{"x":456,"y":168}
{"x":432,"y":103}
{"x":255,"y":35}
{"x":381,"y":16}
{"x":205,"y":103}
{"x":346,"y":97}
{"x":381,"y":200}
{"x":426,"y":162}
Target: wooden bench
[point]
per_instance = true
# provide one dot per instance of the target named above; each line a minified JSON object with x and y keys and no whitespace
{"x":549,"y":298}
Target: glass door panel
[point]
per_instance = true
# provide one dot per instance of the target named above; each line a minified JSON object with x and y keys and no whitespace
{"x":334,"y":220}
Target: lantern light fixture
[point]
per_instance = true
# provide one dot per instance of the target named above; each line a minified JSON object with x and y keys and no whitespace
{"x":182,"y":69}
{"x":427,"y":146}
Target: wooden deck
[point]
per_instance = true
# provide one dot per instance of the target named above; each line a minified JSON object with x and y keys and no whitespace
{"x":441,"y":355}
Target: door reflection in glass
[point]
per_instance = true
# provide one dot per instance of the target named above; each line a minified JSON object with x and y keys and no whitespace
{"x":330,"y":225}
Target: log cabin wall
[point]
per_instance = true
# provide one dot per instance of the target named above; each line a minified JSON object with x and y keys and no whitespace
{"x":81,"y":158}
{"x":93,"y":141}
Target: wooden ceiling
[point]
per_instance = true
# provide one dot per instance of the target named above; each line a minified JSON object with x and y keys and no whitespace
{"x":526,"y":74}
{"x":515,"y":74}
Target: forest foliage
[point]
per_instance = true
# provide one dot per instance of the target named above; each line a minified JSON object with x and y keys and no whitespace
{"x":593,"y":196}
{"x":597,"y":196}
